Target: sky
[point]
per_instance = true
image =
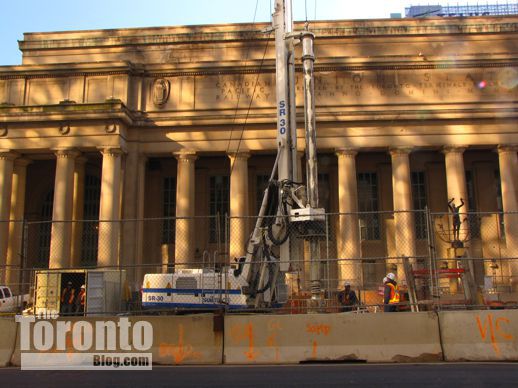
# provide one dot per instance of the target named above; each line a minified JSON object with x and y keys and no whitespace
{"x":19,"y":16}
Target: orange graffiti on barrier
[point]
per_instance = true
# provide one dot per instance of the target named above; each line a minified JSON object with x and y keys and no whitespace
{"x":179,"y":352}
{"x":494,"y":329}
{"x":314,"y":349}
{"x":251,"y":353}
{"x":69,"y":345}
{"x":318,"y":329}
{"x":245,"y":332}
{"x":271,"y":341}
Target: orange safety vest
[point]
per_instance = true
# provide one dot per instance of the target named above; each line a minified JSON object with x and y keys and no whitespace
{"x":82,"y":297}
{"x":394,"y":293}
{"x":70,"y":294}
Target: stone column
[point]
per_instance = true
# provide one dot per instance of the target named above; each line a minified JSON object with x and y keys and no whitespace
{"x":404,"y":223}
{"x":15,"y":251}
{"x":455,"y":173}
{"x":456,"y":181}
{"x":238,"y":203}
{"x":109,"y":212}
{"x":348,"y":237}
{"x":6,"y":181}
{"x":456,"y":188}
{"x":185,"y":237}
{"x":61,"y":235}
{"x":133,"y":213}
{"x":508,"y":162}
{"x":78,"y":212}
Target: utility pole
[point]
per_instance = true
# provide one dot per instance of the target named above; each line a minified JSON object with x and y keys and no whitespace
{"x":286,"y":109}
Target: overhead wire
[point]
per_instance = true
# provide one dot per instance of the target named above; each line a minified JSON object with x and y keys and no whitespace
{"x":251,"y":100}
{"x":240,"y":90}
{"x":239,"y":87}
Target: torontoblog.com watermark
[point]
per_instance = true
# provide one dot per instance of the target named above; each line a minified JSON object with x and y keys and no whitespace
{"x":83,"y":345}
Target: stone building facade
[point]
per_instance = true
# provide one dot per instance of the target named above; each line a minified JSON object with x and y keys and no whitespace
{"x":133,"y":124}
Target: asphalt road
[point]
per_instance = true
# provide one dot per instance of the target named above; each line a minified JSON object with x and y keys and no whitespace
{"x":321,"y":375}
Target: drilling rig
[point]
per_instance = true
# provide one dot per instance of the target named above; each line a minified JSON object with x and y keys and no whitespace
{"x":289,"y":210}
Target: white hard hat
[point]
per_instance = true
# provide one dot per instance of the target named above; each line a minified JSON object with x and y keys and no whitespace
{"x":83,"y":286}
{"x":385,"y":279}
{"x":391,"y":276}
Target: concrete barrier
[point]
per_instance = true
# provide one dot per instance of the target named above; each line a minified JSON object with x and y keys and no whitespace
{"x":177,"y":340}
{"x":485,"y":335}
{"x":191,"y":339}
{"x":281,"y":339}
{"x":7,"y":340}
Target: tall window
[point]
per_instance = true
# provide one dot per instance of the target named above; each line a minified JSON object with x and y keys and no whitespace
{"x":420,"y":201}
{"x":473,"y":219}
{"x":90,"y":238}
{"x":169,"y":210}
{"x":323,"y":191}
{"x":368,"y":202}
{"x":219,"y":205}
{"x":45,"y":230}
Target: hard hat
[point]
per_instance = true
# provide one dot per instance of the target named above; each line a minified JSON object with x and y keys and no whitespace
{"x":83,"y":286}
{"x":347,"y":284}
{"x":391,"y":276}
{"x":385,"y":279}
{"x":69,"y":283}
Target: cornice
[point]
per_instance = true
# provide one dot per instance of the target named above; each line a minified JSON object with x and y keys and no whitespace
{"x":67,"y":112}
{"x":253,"y":32}
{"x":270,"y":70}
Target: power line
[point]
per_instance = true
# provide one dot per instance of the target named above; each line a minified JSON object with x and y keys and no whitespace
{"x":240,"y":90}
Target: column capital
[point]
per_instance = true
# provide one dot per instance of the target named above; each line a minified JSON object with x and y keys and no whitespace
{"x":22,"y":162}
{"x":399,"y":151}
{"x":243,"y":155}
{"x":341,"y":152}
{"x":504,"y":148}
{"x":6,"y":154}
{"x":111,"y":150}
{"x":453,"y":149}
{"x":66,"y":153}
{"x":185,"y":156}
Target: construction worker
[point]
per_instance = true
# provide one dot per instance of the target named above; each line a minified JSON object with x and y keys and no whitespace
{"x":390,"y":294}
{"x":80,"y":301}
{"x":347,"y":298}
{"x":67,"y":299}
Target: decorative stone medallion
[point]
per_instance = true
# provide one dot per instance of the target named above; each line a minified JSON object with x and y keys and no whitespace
{"x":110,"y":128}
{"x":161,"y":90}
{"x":64,"y":129}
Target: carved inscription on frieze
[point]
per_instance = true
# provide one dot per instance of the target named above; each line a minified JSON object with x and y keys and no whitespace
{"x":365,"y":87}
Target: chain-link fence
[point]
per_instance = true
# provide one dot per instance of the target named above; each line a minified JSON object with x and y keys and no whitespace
{"x":327,"y":263}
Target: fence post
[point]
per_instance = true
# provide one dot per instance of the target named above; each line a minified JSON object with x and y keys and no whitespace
{"x":328,"y":280}
{"x":24,"y":254}
{"x":434,"y":283}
